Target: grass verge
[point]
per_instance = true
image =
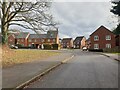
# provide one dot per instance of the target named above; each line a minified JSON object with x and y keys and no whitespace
{"x":13,"y":57}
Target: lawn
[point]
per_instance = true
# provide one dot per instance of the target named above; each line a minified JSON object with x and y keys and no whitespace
{"x":13,"y":57}
{"x":116,"y":53}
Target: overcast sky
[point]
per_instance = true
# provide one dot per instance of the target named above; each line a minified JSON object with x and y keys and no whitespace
{"x":82,"y":18}
{"x":79,"y":18}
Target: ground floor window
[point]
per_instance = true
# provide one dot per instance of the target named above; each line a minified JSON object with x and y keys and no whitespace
{"x":29,"y":45}
{"x":96,"y":46}
{"x":108,"y":45}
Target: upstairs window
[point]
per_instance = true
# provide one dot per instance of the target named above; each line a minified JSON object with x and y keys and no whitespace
{"x":30,"y":40}
{"x":53,"y":40}
{"x":43,"y":40}
{"x":96,"y":38}
{"x":35,"y":40}
{"x":108,"y":37}
{"x":48,"y":40}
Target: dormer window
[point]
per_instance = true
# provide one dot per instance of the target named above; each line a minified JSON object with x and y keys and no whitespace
{"x":51,"y":35}
{"x":108,"y":37}
{"x":96,"y":38}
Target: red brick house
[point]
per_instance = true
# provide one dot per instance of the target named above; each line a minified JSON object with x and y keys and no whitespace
{"x":79,"y":42}
{"x":11,"y":39}
{"x":36,"y":40}
{"x":22,"y":39}
{"x":117,"y":40}
{"x":67,"y":43}
{"x":102,"y":38}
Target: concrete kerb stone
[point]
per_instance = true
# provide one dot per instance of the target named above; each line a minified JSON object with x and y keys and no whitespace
{"x":21,"y":86}
{"x":110,"y":57}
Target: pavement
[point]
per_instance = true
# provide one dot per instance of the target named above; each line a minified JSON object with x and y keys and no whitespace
{"x":84,"y":70}
{"x":17,"y":75}
{"x":112,"y":56}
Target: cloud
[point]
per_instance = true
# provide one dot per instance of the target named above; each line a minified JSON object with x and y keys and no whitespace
{"x":82,"y":18}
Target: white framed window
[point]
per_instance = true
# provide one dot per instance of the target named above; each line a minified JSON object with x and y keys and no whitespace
{"x":96,"y":38}
{"x":108,"y":45}
{"x":96,"y":46}
{"x":29,"y":45}
{"x":43,"y":40}
{"x":53,"y":40}
{"x":35,"y":40}
{"x":29,"y":40}
{"x":108,"y":37}
{"x":48,"y":40}
{"x":51,"y":35}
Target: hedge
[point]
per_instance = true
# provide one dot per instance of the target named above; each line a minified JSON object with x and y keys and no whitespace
{"x":51,"y":47}
{"x":112,"y":50}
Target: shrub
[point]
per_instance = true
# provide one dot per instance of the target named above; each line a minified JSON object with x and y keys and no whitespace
{"x":47,"y":46}
{"x":112,"y":50}
{"x":55,"y":46}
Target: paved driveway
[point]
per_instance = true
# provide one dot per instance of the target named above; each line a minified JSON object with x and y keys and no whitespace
{"x":85,"y":70}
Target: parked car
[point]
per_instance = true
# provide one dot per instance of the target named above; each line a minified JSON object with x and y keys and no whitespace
{"x":84,"y":49}
{"x":14,"y":47}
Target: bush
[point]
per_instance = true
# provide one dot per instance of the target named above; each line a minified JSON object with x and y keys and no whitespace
{"x":112,"y":50}
{"x":47,"y":46}
{"x":55,"y":46}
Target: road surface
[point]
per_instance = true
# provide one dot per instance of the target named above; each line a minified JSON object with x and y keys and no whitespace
{"x":85,"y":70}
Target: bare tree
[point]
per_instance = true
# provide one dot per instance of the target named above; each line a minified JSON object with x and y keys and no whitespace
{"x":29,"y":15}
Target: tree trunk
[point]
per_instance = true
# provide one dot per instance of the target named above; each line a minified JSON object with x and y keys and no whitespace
{"x":4,"y":27}
{"x":4,"y":34}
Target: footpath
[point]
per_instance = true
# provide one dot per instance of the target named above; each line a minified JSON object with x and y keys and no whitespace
{"x":22,"y":74}
{"x":112,"y":56}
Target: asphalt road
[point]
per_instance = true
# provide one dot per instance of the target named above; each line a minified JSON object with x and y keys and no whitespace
{"x":85,"y":70}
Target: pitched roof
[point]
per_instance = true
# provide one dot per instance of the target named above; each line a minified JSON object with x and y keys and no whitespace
{"x":23,"y":35}
{"x":66,"y":39}
{"x":117,"y":36}
{"x":13,"y":34}
{"x":100,"y":28}
{"x":88,"y":40}
{"x":37,"y":36}
{"x":78,"y":38}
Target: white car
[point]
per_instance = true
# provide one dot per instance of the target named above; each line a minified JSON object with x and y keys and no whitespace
{"x":14,"y":47}
{"x":84,"y":48}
